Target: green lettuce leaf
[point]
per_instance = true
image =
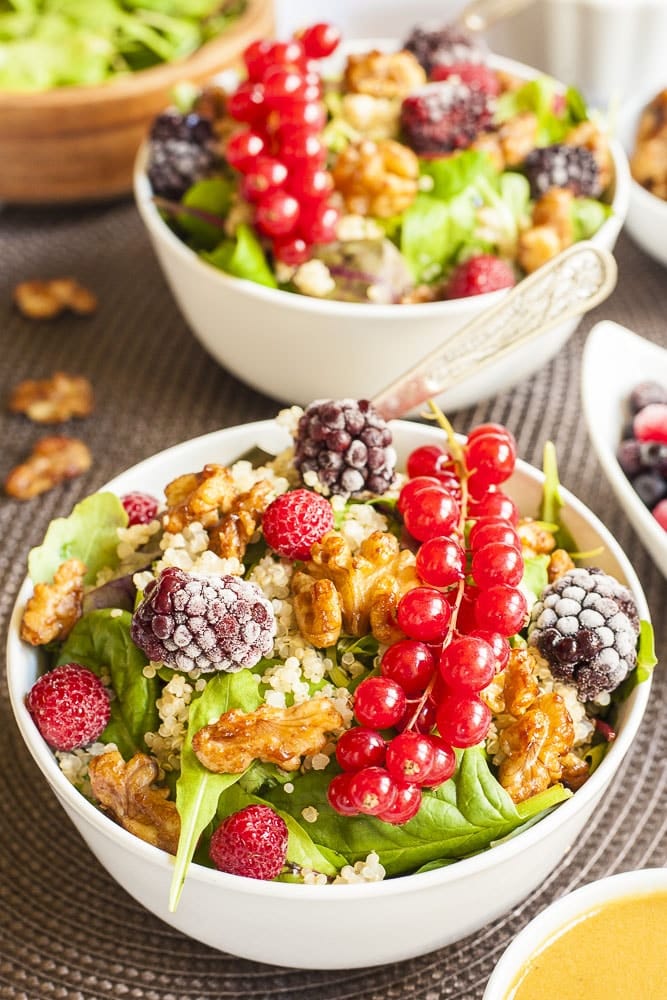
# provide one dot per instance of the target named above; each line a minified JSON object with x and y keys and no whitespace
{"x":552,"y":501}
{"x":535,"y":575}
{"x":212,"y":196}
{"x":587,"y":216}
{"x":453,"y":175}
{"x":243,"y":257}
{"x":101,"y":641}
{"x":539,"y":96}
{"x":425,"y":237}
{"x":90,"y":534}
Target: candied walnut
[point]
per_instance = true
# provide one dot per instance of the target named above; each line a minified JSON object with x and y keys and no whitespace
{"x":128,"y":793}
{"x":54,"y":608}
{"x":368,"y":584}
{"x":559,"y":564}
{"x":537,"y":245}
{"x":231,"y":535}
{"x":317,"y":609}
{"x":518,"y":137}
{"x":422,"y":293}
{"x":535,"y":745}
{"x":281,"y":736}
{"x":198,"y":496}
{"x":489,"y":142}
{"x":373,"y":117}
{"x":509,"y":81}
{"x":47,"y":299}
{"x":575,"y":771}
{"x":51,"y":400}
{"x":53,"y":460}
{"x":554,"y":209}
{"x":520,"y":687}
{"x":590,"y":135}
{"x":383,"y":74}
{"x":535,"y":539}
{"x":376,"y":178}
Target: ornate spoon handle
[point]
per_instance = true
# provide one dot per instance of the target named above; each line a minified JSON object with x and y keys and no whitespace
{"x":478,"y":15}
{"x":567,"y":286}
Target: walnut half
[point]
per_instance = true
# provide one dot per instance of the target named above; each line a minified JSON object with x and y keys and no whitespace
{"x":54,"y":608}
{"x":281,"y":736}
{"x":47,"y":299}
{"x":51,"y":400}
{"x":52,"y":460}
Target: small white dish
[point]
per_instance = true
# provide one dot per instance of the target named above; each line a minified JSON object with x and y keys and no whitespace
{"x":646,"y":220}
{"x":563,"y":913}
{"x":615,"y":361}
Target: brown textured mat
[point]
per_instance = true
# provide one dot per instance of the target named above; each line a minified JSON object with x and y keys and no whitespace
{"x":66,"y":929}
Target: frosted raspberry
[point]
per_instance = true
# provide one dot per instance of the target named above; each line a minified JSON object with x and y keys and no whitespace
{"x":140,"y":508}
{"x":442,"y":46}
{"x":251,"y":842}
{"x":70,"y":706}
{"x":205,"y":623}
{"x":477,"y":76}
{"x":650,"y":424}
{"x":478,"y":275}
{"x":295,"y":521}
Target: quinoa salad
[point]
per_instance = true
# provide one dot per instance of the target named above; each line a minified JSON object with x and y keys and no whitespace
{"x":406,"y":176}
{"x":316,"y":667}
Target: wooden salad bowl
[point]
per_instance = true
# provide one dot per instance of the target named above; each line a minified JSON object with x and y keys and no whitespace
{"x":74,"y":144}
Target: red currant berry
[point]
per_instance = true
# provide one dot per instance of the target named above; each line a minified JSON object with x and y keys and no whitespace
{"x":431,"y":512}
{"x":466,"y":621}
{"x":501,"y":609}
{"x":412,"y":487}
{"x":246,"y":104}
{"x":379,"y":702}
{"x":257,"y":58}
{"x":267,"y":174}
{"x":463,"y":720}
{"x":443,"y":766}
{"x":338,"y":795}
{"x":424,"y":614}
{"x":410,"y":664}
{"x":499,"y":645}
{"x":491,"y":457}
{"x":409,"y":757}
{"x":283,"y":87}
{"x":422,"y":722}
{"x":310,"y":182}
{"x":499,"y":429}
{"x":320,"y":40}
{"x":277,"y":213}
{"x":427,"y":460}
{"x":319,"y":222}
{"x":360,"y":747}
{"x":497,"y":563}
{"x":497,"y":505}
{"x":291,"y":250}
{"x":405,"y":806}
{"x":288,"y":54}
{"x":372,"y":790}
{"x":298,"y":146}
{"x":467,"y":664}
{"x":440,"y":562}
{"x":491,"y":529}
{"x":310,"y":116}
{"x":243,"y":149}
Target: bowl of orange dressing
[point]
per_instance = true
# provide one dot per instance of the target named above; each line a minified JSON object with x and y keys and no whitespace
{"x":605,"y":941}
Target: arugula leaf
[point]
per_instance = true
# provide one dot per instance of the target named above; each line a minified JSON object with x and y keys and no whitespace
{"x":90,"y":534}
{"x":101,"y":641}
{"x":198,"y":790}
{"x":243,"y":257}
{"x":552,"y":502}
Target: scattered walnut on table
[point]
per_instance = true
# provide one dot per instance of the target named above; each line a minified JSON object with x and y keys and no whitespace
{"x":52,"y":461}
{"x":47,"y":299}
{"x":54,"y":608}
{"x":282,"y":736}
{"x":127,"y":793}
{"x":52,"y":400}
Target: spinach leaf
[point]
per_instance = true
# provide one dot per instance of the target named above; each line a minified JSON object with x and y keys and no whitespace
{"x":452,"y":175}
{"x":212,"y":196}
{"x":539,"y":96}
{"x":198,"y":790}
{"x":90,"y":534}
{"x":101,"y":641}
{"x":243,"y":257}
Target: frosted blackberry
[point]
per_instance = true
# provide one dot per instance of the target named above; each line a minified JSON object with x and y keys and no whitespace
{"x":650,"y":487}
{"x":444,"y":116}
{"x":205,"y":623}
{"x":347,"y":445}
{"x":181,"y":152}
{"x":561,"y":166}
{"x":586,"y":626}
{"x":443,"y":47}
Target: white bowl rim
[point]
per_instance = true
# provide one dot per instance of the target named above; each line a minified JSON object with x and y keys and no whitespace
{"x":75,"y":801}
{"x":564,"y":912}
{"x":598,"y":342}
{"x":392,"y":312}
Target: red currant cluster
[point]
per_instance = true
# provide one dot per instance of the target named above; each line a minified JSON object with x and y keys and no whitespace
{"x":457,"y":626}
{"x":281,"y":154}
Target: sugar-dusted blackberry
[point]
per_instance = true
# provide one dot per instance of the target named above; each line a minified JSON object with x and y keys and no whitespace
{"x":206,"y":623}
{"x":347,"y":445}
{"x":650,"y":487}
{"x":586,"y":626}
{"x":444,"y":46}
{"x":181,"y":151}
{"x":562,"y":166}
{"x":629,"y":457}
{"x":653,"y":455}
{"x":444,"y":116}
{"x":646,"y":393}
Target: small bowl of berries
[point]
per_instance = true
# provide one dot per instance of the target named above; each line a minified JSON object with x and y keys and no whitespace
{"x":624,"y":392}
{"x":329,"y":674}
{"x":364,"y":200}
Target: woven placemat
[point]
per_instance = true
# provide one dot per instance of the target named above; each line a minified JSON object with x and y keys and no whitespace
{"x":66,"y":929}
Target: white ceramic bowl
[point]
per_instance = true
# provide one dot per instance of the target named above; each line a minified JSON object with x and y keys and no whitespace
{"x":297,"y":348}
{"x":615,"y":361}
{"x":647,"y":214}
{"x":565,"y":912}
{"x":336,"y":926}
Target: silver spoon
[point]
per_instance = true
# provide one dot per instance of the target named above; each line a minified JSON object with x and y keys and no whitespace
{"x":569,"y":285}
{"x":478,"y":15}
